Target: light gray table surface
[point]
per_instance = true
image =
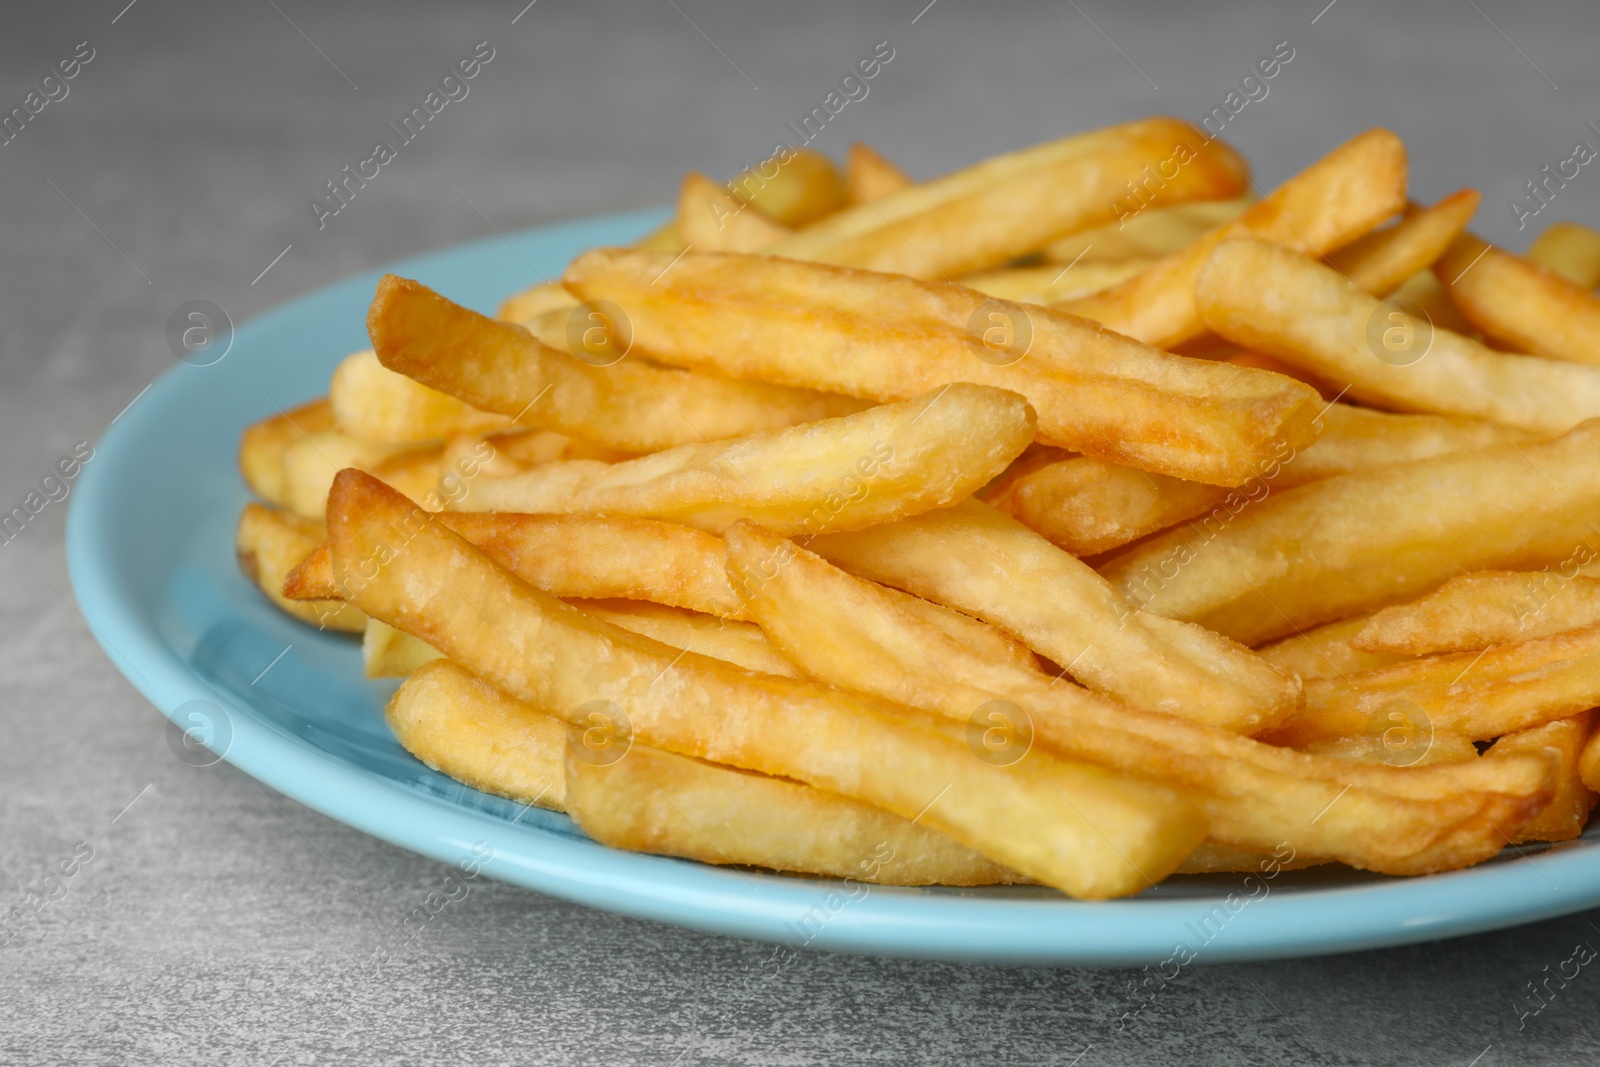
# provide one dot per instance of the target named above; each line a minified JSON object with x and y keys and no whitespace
{"x":218,"y":922}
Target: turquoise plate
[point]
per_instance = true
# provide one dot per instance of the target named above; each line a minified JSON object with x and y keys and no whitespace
{"x":150,"y":546}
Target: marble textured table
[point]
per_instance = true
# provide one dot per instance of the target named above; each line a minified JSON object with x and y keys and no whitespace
{"x":220,"y":923}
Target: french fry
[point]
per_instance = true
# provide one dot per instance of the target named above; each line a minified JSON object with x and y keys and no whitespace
{"x":577,"y":556}
{"x":739,"y":643}
{"x":263,"y":444}
{"x":1354,"y":543}
{"x":462,"y":726}
{"x":714,"y":220}
{"x":1427,"y":292}
{"x":531,"y":304}
{"x":1398,"y":745}
{"x":870,"y":176}
{"x":1479,"y":696}
{"x":1381,"y":261}
{"x":390,"y":653}
{"x":1089,"y":506}
{"x":1013,"y":204}
{"x":1268,"y":298}
{"x":837,"y":474}
{"x":1051,"y":282}
{"x":1150,"y":234}
{"x":311,"y":461}
{"x":376,"y":404}
{"x":1319,"y":211}
{"x":1400,"y":820}
{"x":1080,"y":829}
{"x":1571,"y":250}
{"x":1521,"y":304}
{"x":630,"y":406}
{"x":498,"y":455}
{"x":977,"y":560}
{"x":1564,"y":817}
{"x":1473,"y":611}
{"x":1326,"y":651}
{"x":890,"y":338}
{"x":655,"y":801}
{"x":269,"y":543}
{"x":803,"y":187}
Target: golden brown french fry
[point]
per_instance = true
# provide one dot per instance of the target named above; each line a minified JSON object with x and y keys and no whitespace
{"x":1051,"y":282}
{"x":1325,"y":651}
{"x":797,"y":187}
{"x":975,"y":559}
{"x":269,"y":543}
{"x":1571,"y":250}
{"x":655,"y":801}
{"x":1563,"y":740}
{"x":500,"y":454}
{"x":1089,"y":506}
{"x":1080,"y":829}
{"x":1381,"y":261}
{"x":1354,"y":543}
{"x":712,"y":219}
{"x":873,"y":467}
{"x":1013,"y":204}
{"x":1473,"y":611}
{"x":376,"y":404}
{"x":1479,"y":696}
{"x":578,"y":556}
{"x":390,"y":653}
{"x":1403,"y":819}
{"x":870,"y":176}
{"x":739,"y":643}
{"x":627,"y":405}
{"x":1320,"y":210}
{"x":1519,"y":303}
{"x":890,"y":338}
{"x":1407,"y":743}
{"x":1149,"y":234}
{"x":1427,"y":292}
{"x":1266,"y":297}
{"x":462,"y":726}
{"x":311,"y":461}
{"x":263,"y":444}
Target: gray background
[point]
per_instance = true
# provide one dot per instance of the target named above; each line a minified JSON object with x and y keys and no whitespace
{"x":219,"y":923}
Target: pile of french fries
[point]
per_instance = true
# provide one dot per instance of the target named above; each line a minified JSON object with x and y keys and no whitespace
{"x":988,"y":530}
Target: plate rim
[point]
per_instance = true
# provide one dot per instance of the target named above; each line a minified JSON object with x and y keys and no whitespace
{"x":885,"y":921}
